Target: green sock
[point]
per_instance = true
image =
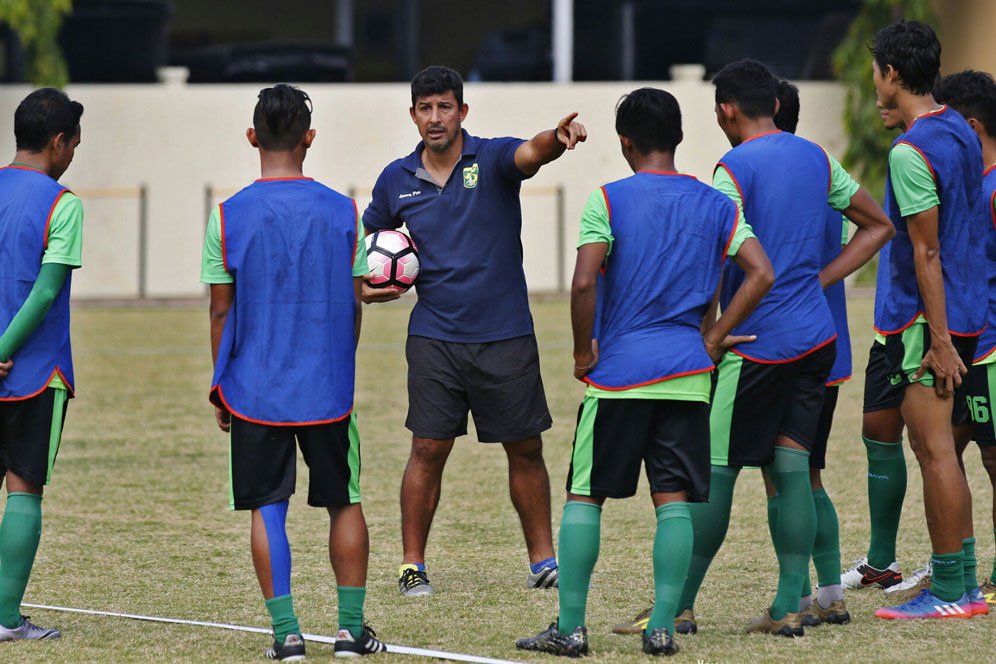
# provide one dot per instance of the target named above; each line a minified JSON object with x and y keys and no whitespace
{"x":947,"y":579}
{"x":672,"y":553}
{"x":971,"y":580}
{"x":772,"y":515}
{"x":282,"y":615}
{"x":351,"y":608}
{"x":826,"y":547}
{"x":20,"y":532}
{"x":580,"y":531}
{"x":795,"y":530}
{"x":886,"y":491}
{"x":992,"y":577}
{"x":709,"y":522}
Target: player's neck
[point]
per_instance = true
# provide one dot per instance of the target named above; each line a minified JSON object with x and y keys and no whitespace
{"x":283,"y":164}
{"x":911,"y":106}
{"x":39,"y":160}
{"x":751,"y":127}
{"x":659,"y":162}
{"x":988,"y":151}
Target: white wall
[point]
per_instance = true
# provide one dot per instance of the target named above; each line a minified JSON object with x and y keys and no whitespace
{"x":176,"y":139}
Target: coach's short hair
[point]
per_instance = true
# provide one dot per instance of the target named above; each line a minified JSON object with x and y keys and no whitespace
{"x":437,"y":81}
{"x":913,"y":50}
{"x":43,"y":114}
{"x":651,"y":118}
{"x":971,"y":93}
{"x":750,"y":85}
{"x":281,"y":117}
{"x":787,"y":117}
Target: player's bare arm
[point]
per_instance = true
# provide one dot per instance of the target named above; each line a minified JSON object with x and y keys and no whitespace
{"x":547,"y":145}
{"x":875,"y":229}
{"x":589,"y":261}
{"x":760,"y":277}
{"x":222,"y":296}
{"x":942,"y":358}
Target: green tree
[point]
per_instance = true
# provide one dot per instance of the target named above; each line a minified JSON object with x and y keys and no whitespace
{"x":37,"y":24}
{"x":868,"y":142}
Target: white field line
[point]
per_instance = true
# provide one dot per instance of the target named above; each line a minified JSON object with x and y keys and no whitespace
{"x":400,"y":650}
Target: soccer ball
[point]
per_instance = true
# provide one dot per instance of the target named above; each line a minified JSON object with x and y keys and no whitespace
{"x":393,"y":260}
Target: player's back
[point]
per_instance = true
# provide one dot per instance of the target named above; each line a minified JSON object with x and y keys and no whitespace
{"x":783,"y":181}
{"x":987,"y":342}
{"x":670,"y":235}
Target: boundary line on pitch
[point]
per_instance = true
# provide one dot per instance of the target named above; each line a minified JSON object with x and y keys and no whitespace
{"x":317,"y":638}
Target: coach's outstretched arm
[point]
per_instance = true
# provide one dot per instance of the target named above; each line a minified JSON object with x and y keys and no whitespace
{"x":547,"y":145}
{"x":760,"y":277}
{"x":875,"y":229}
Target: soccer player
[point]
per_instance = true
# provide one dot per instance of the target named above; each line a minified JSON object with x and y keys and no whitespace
{"x":285,"y":260}
{"x":470,"y":339}
{"x":645,"y":353}
{"x":937,"y":278}
{"x":769,"y":393}
{"x":41,"y":243}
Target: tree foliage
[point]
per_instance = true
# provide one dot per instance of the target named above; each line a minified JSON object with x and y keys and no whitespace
{"x":868,"y":142}
{"x":37,"y":24}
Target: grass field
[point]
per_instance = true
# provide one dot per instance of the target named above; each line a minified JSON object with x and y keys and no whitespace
{"x":136,"y":521}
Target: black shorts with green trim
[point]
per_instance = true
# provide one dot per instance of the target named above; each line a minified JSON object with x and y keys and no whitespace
{"x":755,"y":402}
{"x":880,"y":392}
{"x":263,"y":463}
{"x":615,"y":436}
{"x":979,"y":393}
{"x":818,"y":455}
{"x":30,"y":433}
{"x":904,"y":352}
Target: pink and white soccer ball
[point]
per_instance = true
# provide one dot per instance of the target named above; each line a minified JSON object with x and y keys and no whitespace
{"x":393,"y":260}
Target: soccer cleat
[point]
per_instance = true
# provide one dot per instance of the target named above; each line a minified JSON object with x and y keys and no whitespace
{"x":659,"y":642}
{"x":790,"y":625}
{"x":553,"y":642}
{"x":863,"y":575}
{"x":911,"y":587}
{"x":835,"y":614}
{"x":347,"y":645}
{"x":27,"y":631}
{"x":548,"y":577}
{"x":980,"y":607}
{"x":925,"y":606}
{"x":291,"y":650}
{"x":413,"y":582}
{"x":685,"y":623}
{"x":636,"y":625}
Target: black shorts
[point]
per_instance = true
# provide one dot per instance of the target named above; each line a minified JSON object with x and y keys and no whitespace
{"x":755,"y":402}
{"x":498,"y":382}
{"x":263,"y":464}
{"x":818,"y":455}
{"x":904,"y":351}
{"x":615,"y":436}
{"x":880,"y":392}
{"x":980,"y":389}
{"x":30,"y":432}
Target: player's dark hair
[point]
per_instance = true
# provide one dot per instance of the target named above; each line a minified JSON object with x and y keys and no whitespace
{"x":281,"y":117}
{"x":651,"y":118}
{"x":437,"y":81}
{"x":787,"y":117}
{"x":750,"y":85}
{"x":913,"y":50}
{"x":971,"y":93}
{"x":43,"y":114}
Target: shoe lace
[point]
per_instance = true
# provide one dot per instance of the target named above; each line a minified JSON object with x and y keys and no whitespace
{"x":411,"y":578}
{"x":367,"y":629}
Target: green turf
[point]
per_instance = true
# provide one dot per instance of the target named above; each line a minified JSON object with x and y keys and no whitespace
{"x":136,"y":521}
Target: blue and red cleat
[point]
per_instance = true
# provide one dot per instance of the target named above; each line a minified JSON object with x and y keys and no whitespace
{"x":925,"y":606}
{"x":979,"y":605}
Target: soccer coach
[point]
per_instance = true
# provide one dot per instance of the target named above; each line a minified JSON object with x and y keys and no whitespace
{"x":470,"y":338}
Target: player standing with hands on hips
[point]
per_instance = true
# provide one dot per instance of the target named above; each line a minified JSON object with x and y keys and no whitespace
{"x":470,"y":338}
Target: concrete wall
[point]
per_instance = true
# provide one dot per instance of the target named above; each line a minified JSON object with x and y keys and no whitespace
{"x":177,"y":139}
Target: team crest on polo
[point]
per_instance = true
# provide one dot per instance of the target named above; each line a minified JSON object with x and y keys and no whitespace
{"x":470,"y":176}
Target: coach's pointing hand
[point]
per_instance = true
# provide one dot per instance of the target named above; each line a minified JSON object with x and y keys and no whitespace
{"x":570,"y":133}
{"x":5,"y":368}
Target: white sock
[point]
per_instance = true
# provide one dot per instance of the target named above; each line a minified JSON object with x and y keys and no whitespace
{"x":826,"y":595}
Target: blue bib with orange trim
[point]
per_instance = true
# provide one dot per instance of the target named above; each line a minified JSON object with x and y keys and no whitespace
{"x":987,"y":342}
{"x":288,"y":351}
{"x":27,"y":201}
{"x":670,"y":238}
{"x":837,"y":299}
{"x":952,"y":151}
{"x":784,"y":183}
